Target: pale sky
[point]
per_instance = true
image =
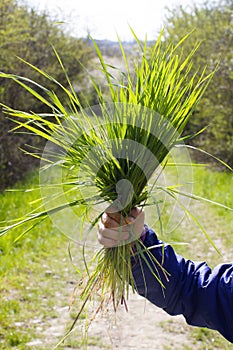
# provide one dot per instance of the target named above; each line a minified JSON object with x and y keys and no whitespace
{"x":103,"y":18}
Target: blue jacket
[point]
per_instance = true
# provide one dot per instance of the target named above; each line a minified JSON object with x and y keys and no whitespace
{"x":202,"y":296}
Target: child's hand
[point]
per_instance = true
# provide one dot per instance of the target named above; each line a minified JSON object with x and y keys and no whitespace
{"x":114,"y":229}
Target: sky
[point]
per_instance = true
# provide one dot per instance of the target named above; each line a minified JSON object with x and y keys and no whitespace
{"x":104,"y":18}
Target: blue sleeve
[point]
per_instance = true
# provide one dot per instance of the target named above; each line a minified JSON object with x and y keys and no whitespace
{"x":202,"y":296}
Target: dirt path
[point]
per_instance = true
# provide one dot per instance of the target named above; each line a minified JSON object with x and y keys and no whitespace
{"x":143,"y":327}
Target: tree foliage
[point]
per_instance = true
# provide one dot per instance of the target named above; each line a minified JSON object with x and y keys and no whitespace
{"x":31,"y":36}
{"x":212,"y":24}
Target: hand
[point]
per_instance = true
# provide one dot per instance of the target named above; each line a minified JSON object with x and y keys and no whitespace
{"x":114,"y":229}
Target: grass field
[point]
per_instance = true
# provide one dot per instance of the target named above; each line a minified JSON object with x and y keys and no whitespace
{"x":37,"y":276}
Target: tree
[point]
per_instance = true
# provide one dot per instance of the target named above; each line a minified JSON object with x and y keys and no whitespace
{"x":211,"y":24}
{"x":26,"y":34}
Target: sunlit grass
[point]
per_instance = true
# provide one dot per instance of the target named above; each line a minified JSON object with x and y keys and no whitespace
{"x":32,"y":271}
{"x":217,"y":221}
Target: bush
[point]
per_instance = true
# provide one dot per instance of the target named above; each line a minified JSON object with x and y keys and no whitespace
{"x":30,"y":36}
{"x":210,"y":24}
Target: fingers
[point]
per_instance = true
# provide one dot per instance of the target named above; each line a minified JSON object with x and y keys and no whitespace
{"x":114,"y":233}
{"x":111,"y":237}
{"x":113,"y":220}
{"x":138,"y":223}
{"x":135,"y":212}
{"x":114,"y":229}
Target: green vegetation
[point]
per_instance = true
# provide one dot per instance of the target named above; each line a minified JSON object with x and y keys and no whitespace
{"x":25,"y":33}
{"x":30,"y":36}
{"x":210,"y":24}
{"x":216,"y":187}
{"x":36,"y":280}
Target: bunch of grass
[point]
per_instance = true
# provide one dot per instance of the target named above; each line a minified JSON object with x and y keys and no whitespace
{"x":110,"y":153}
